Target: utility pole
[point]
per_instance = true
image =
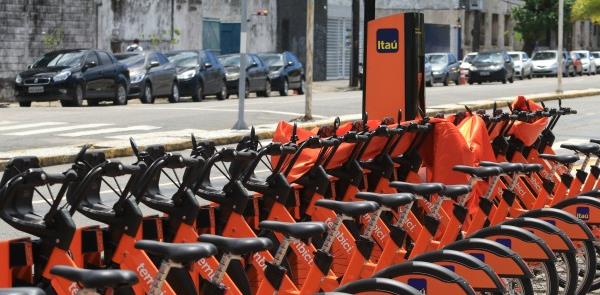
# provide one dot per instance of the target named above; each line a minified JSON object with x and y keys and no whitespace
{"x":559,"y":68}
{"x":241,"y":123}
{"x":355,"y":41}
{"x":369,"y":15}
{"x":310,"y":29}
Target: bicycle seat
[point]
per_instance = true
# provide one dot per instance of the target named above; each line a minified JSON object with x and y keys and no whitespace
{"x":387,"y":200}
{"x":584,"y":148}
{"x":455,"y":191}
{"x":22,"y":291}
{"x":532,"y":167}
{"x":300,"y":230}
{"x":421,"y":189}
{"x":350,"y":209}
{"x":180,"y":252}
{"x":481,"y":172}
{"x":507,"y":167}
{"x":237,"y":246}
{"x":562,"y":159}
{"x":97,"y":278}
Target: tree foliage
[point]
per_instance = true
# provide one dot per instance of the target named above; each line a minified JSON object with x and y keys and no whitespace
{"x":587,"y":9}
{"x":537,"y":18}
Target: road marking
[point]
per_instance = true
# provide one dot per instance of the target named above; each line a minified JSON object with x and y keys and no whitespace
{"x":58,"y":129}
{"x":31,"y":125}
{"x":110,"y":130}
{"x":235,"y":111}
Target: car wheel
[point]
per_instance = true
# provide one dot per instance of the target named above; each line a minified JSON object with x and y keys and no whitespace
{"x":470,"y":82}
{"x":198,"y":95}
{"x":174,"y":97}
{"x":302,"y":88}
{"x":511,"y":79}
{"x":530,"y":76}
{"x":223,"y":93}
{"x":267,"y":91}
{"x":504,"y":80}
{"x":283,"y":91}
{"x":77,"y":98}
{"x":120,"y":95}
{"x":25,"y":104}
{"x":146,"y":97}
{"x":479,"y":83}
{"x":446,"y":80}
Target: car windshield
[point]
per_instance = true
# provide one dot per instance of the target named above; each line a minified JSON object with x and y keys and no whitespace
{"x":596,"y":54}
{"x":183,"y":59}
{"x":131,"y":60}
{"x":544,"y":55}
{"x":469,"y":57}
{"x":583,"y":54}
{"x":515,"y":56}
{"x":489,"y":57}
{"x":438,"y":59}
{"x":272,"y":60}
{"x":230,"y":60}
{"x":59,"y":59}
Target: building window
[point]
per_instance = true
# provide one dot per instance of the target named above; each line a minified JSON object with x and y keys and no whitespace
{"x":507,"y":31}
{"x":211,"y":37}
{"x":494,"y":29}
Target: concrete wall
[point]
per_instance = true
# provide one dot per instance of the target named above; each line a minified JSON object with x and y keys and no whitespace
{"x":30,"y":27}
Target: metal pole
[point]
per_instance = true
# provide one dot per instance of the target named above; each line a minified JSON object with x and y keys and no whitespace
{"x":310,"y":27}
{"x":369,"y":15}
{"x":355,"y":41}
{"x":559,"y":68}
{"x":241,"y":123}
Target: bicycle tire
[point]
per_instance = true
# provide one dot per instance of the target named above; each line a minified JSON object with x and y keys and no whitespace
{"x":550,"y":279}
{"x":571,"y":272}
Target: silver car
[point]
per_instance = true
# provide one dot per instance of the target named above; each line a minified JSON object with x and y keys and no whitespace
{"x":587,"y":62}
{"x":545,"y":63}
{"x":522,"y":64}
{"x":596,"y":55}
{"x":428,"y":73}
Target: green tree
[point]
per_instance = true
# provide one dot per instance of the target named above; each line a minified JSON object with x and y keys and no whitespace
{"x":537,"y":19}
{"x":587,"y":9}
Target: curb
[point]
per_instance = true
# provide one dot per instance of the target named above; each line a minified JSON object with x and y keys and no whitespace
{"x":125,"y":151}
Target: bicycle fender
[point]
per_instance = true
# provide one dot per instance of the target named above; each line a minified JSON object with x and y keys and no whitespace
{"x":480,"y":275}
{"x":505,"y":262}
{"x":555,"y":238}
{"x":583,"y":207}
{"x":574,"y":227}
{"x":529,"y":246}
{"x":425,"y":276}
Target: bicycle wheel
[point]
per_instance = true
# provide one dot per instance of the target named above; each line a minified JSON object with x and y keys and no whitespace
{"x":518,"y":286}
{"x":566,"y":266}
{"x":545,"y":280}
{"x":596,"y":278}
{"x":586,"y":256}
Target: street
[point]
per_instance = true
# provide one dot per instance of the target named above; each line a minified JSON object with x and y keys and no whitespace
{"x":49,"y":125}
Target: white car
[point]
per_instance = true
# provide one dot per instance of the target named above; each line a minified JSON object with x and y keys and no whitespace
{"x":596,"y":55}
{"x":587,"y":62}
{"x":466,"y":62}
{"x":523,"y":66}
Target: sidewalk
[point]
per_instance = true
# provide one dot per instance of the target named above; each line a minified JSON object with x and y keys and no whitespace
{"x":179,"y":140}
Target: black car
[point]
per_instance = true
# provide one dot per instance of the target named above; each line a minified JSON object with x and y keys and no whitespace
{"x":72,"y":76}
{"x":285,"y":72}
{"x":491,"y":66}
{"x":257,"y":79}
{"x":199,"y":73}
{"x":151,"y":76}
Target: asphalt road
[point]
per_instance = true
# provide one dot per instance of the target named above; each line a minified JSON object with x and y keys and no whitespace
{"x":49,"y":125}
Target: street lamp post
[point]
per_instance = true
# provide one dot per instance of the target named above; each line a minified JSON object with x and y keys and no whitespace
{"x":310,"y":28}
{"x":559,"y":69}
{"x":241,"y":123}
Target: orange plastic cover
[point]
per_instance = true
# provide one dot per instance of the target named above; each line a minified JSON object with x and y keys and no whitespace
{"x":524,"y":131}
{"x":474,"y":129}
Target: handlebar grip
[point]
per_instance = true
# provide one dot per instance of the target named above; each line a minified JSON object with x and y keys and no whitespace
{"x":397,"y":131}
{"x":573,"y":112}
{"x":245,"y":154}
{"x":174,"y":161}
{"x":288,"y":149}
{"x":329,"y":142}
{"x":313,"y":143}
{"x":188,"y":161}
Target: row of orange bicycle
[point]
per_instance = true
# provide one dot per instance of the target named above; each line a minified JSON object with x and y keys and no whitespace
{"x":472,"y":203}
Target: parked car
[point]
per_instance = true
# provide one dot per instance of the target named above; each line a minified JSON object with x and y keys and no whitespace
{"x":257,"y":74}
{"x":285,"y":72}
{"x":444,"y":66}
{"x":72,"y":76}
{"x":596,"y":60}
{"x":466,"y":62}
{"x":545,"y":63}
{"x":491,"y":66}
{"x":577,"y":63}
{"x":522,"y":64}
{"x":151,"y":76}
{"x":428,"y":73}
{"x":587,"y":61}
{"x":199,"y":73}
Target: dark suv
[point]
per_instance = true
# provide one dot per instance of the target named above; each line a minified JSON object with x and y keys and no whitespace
{"x":199,"y":73}
{"x":71,"y":76}
{"x":285,"y":72}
